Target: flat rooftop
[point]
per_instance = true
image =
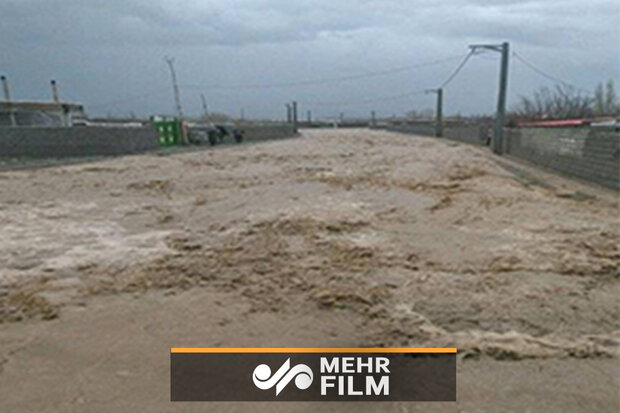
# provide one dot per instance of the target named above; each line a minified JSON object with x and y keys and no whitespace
{"x":35,"y":105}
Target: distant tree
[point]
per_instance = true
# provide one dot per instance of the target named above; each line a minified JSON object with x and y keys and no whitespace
{"x":612,"y":107}
{"x":427,"y":113}
{"x":606,"y":100}
{"x":412,"y":114}
{"x":599,"y":100}
{"x":561,"y":102}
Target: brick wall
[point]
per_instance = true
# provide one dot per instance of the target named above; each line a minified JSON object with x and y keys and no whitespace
{"x":58,"y":142}
{"x":588,"y":153}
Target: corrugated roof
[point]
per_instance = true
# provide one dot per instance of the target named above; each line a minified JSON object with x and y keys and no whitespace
{"x":556,"y":123}
{"x":564,"y":123}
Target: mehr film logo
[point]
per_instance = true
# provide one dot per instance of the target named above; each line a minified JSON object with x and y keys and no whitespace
{"x":264,"y":380}
{"x":313,"y":374}
{"x":330,"y":377}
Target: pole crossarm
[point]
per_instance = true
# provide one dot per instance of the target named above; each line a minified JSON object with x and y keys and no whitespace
{"x":494,"y":47}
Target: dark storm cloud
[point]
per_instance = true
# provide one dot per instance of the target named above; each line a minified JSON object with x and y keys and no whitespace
{"x":142,"y":22}
{"x":120,"y":44}
{"x":265,"y":21}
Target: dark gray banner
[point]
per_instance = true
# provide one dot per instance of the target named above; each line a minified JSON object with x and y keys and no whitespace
{"x":313,"y":376}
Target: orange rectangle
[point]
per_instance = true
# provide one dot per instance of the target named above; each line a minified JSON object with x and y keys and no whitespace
{"x":313,"y":350}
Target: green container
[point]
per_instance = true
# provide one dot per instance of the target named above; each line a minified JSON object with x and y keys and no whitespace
{"x":168,"y":130}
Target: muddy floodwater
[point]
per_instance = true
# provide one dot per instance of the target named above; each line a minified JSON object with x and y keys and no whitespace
{"x":337,"y":238}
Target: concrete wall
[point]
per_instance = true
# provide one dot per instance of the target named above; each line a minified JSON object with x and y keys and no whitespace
{"x":254,"y":132}
{"x":474,"y":134}
{"x":465,"y":132}
{"x":588,"y":153}
{"x":423,"y":129}
{"x":58,"y":142}
{"x":592,"y":154}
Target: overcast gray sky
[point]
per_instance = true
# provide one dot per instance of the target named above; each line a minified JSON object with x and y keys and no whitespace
{"x":108,"y":54}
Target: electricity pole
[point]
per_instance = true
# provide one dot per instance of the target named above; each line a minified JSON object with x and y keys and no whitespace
{"x":175,"y":87}
{"x":289,"y":113}
{"x":54,"y":91}
{"x":7,"y":99}
{"x":204,"y":106}
{"x":294,"y":110}
{"x":438,"y":112}
{"x":373,"y":119}
{"x":498,"y":141}
{"x":5,"y":88}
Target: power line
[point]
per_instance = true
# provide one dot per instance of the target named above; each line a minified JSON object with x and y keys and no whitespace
{"x":131,"y":98}
{"x":457,"y":70}
{"x":337,"y":79}
{"x":453,"y":75}
{"x":545,"y":74}
{"x":367,"y":101}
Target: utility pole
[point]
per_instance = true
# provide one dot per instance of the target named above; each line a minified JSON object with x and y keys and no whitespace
{"x":175,"y":86}
{"x":54,"y":91}
{"x":294,"y":108}
{"x":5,"y":88}
{"x":289,"y":113}
{"x":501,"y":102}
{"x":66,"y":114}
{"x":373,"y":119}
{"x":309,"y":115}
{"x":438,"y":112}
{"x":7,"y":98}
{"x":498,"y":140}
{"x":177,"y":98}
{"x":204,"y":106}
